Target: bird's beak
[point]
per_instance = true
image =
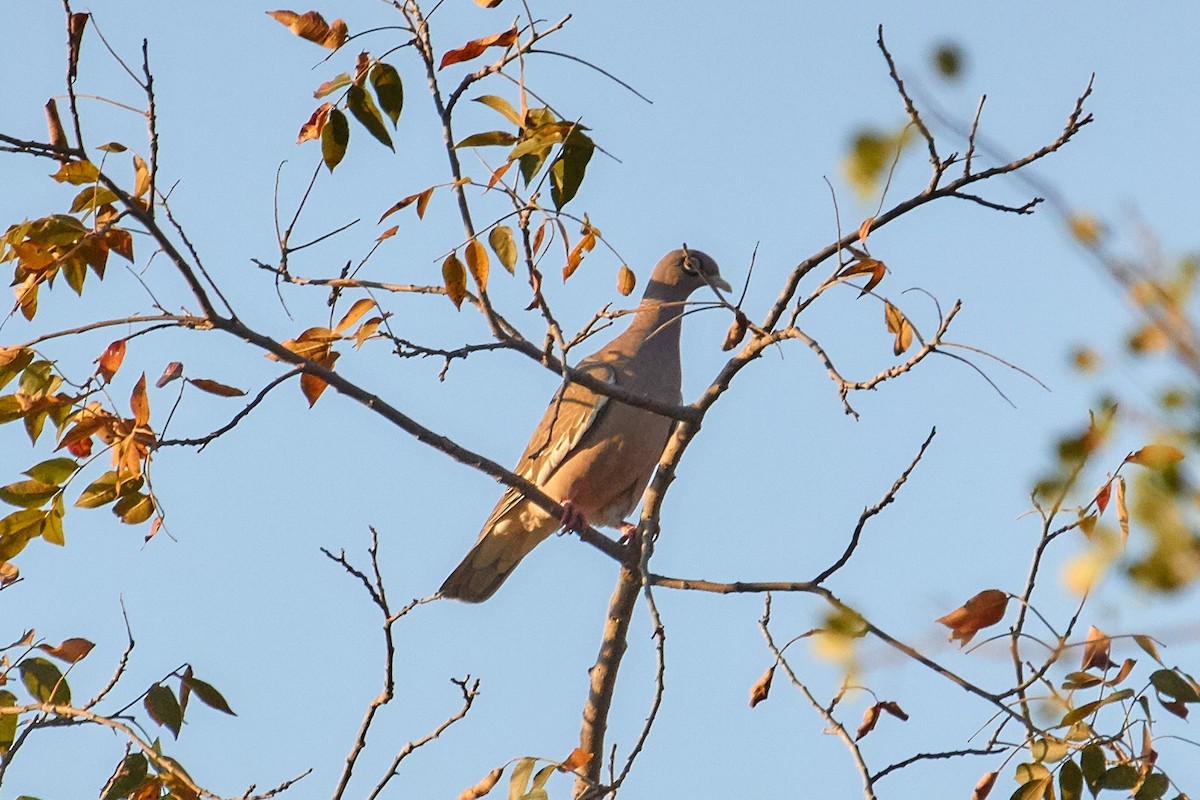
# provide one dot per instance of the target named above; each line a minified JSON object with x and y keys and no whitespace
{"x":720,"y":283}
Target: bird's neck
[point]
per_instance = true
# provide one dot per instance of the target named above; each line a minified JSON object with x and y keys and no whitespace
{"x":655,"y":326}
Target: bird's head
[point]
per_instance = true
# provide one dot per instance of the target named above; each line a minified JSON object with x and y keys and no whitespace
{"x":681,"y":272}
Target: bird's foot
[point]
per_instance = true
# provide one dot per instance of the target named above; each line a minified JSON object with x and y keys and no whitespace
{"x":631,"y":540}
{"x":572,"y":518}
{"x":628,"y":529}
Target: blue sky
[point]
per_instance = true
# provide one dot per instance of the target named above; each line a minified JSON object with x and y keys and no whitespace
{"x":752,"y":109}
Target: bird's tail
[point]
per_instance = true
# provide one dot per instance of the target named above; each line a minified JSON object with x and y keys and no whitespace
{"x":500,"y":548}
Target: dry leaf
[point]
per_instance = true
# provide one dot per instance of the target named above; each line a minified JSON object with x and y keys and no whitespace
{"x":312,"y":128}
{"x":314,"y":386}
{"x":389,"y":233}
{"x":1122,"y":511}
{"x":8,"y":574}
{"x":1101,"y":499}
{"x":312,"y":26}
{"x":984,"y":609}
{"x":984,"y":787}
{"x":488,"y":3}
{"x":1155,"y":456}
{"x":1096,"y":650}
{"x":212,"y":387}
{"x":483,"y":787}
{"x":865,"y":229}
{"x":75,"y":25}
{"x":626,"y":280}
{"x":477,"y":262}
{"x":870,"y":717}
{"x":71,"y":650}
{"x":173,"y":371}
{"x":58,"y":137}
{"x":475,"y":47}
{"x":356,"y":312}
{"x":139,"y":403}
{"x":498,"y":174}
{"x":898,"y":324}
{"x":141,"y":176}
{"x":578,"y":758}
{"x":366,"y":331}
{"x":585,"y":245}
{"x":762,"y":687}
{"x":455,"y":277}
{"x":110,"y":360}
{"x":737,"y":331}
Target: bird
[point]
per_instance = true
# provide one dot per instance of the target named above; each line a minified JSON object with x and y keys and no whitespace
{"x":592,"y":453}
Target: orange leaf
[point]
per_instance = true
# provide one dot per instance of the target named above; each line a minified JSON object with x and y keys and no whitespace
{"x":578,"y":758}
{"x":110,"y":360}
{"x":737,"y":331}
{"x":1101,"y":499}
{"x":173,"y":371}
{"x":312,"y":26}
{"x":366,"y":331}
{"x":898,"y":324}
{"x":893,"y":708}
{"x":212,"y":387}
{"x":139,"y":403}
{"x":75,"y":25}
{"x":314,"y":386}
{"x":483,"y":787}
{"x":71,"y":650}
{"x":1156,"y":456}
{"x":475,"y":47}
{"x":80,"y":448}
{"x":456,"y":279}
{"x":585,"y":245}
{"x":420,"y":198}
{"x":423,"y":202}
{"x":498,"y":174}
{"x":984,"y":787}
{"x":356,"y":312}
{"x":865,"y":229}
{"x":537,"y":237}
{"x":141,"y":179}
{"x":488,"y":3}
{"x":870,"y":717}
{"x":626,"y":280}
{"x":762,"y":687}
{"x":984,"y":609}
{"x":389,"y":233}
{"x":120,"y":242}
{"x":58,"y":137}
{"x":477,"y":262}
{"x":312,"y":128}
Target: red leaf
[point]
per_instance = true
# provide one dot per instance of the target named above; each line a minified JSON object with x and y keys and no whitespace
{"x":475,"y":47}
{"x":110,"y":360}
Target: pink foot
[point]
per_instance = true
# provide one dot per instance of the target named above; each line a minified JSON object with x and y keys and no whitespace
{"x":627,"y":531}
{"x":572,"y":518}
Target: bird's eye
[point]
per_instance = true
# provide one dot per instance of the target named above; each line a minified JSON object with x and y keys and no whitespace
{"x":688,"y":269}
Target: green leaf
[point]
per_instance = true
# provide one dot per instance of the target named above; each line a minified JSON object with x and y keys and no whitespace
{"x":1093,"y":763}
{"x":52,"y":527}
{"x":129,"y":776}
{"x":541,"y":139}
{"x":10,"y":409}
{"x":1087,"y":709}
{"x":91,"y":198}
{"x":19,"y":529}
{"x":520,"y":778}
{"x":208,"y":694}
{"x":28,"y":494}
{"x":389,"y":90}
{"x":330,"y":86}
{"x":134,"y":509}
{"x":1153,"y":787}
{"x":56,"y":470}
{"x":39,"y":379}
{"x":8,"y":722}
{"x":501,"y":240}
{"x":1070,"y":781}
{"x":1172,"y":684}
{"x":539,"y":780}
{"x":567,"y":173}
{"x":335,"y":136}
{"x":501,"y":105}
{"x":100,"y":492}
{"x":164,"y":708}
{"x":1122,"y":776}
{"x":75,"y":273}
{"x":1034,"y":789}
{"x":367,"y":113}
{"x":12,"y":362}
{"x":487,"y":139}
{"x":44,"y":681}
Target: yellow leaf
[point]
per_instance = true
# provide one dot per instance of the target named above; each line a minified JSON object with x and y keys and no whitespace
{"x":455,"y":278}
{"x":1155,"y":456}
{"x":501,"y":240}
{"x":864,"y":229}
{"x":477,"y":262}
{"x":141,"y":176}
{"x":366,"y":331}
{"x":626,"y":280}
{"x":312,"y":385}
{"x":1122,"y":510}
{"x":356,"y":312}
{"x":483,"y":787}
{"x":898,"y":324}
{"x":1085,"y":228}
